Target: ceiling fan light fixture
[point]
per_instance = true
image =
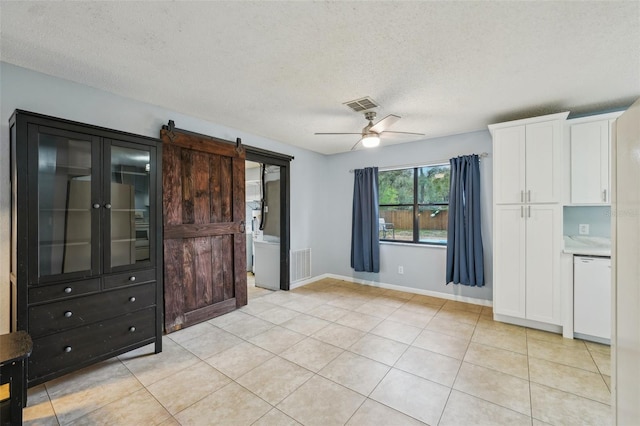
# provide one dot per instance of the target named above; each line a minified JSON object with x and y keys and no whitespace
{"x":370,"y":141}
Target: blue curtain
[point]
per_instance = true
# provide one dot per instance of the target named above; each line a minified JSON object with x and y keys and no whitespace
{"x":465,"y":263}
{"x":365,"y":243}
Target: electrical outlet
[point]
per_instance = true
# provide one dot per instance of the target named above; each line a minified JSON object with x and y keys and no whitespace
{"x":583,"y":229}
{"x":401,"y":270}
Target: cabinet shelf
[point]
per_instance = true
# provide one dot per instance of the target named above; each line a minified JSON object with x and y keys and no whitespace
{"x":65,"y":244}
{"x":132,"y":173}
{"x":65,"y":210}
{"x":53,"y":169}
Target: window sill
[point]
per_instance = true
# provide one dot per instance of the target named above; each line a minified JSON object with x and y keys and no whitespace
{"x":424,"y":245}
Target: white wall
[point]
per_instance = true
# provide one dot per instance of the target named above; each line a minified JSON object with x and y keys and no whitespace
{"x":424,"y":266}
{"x":32,"y":91}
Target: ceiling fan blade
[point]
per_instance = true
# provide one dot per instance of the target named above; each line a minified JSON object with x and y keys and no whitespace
{"x":386,"y":122}
{"x":356,"y":144}
{"x":338,"y":133}
{"x":403,"y":133}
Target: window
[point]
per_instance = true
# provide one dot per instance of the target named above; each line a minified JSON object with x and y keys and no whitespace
{"x":414,"y":204}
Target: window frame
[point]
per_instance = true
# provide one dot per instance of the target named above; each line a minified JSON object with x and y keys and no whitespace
{"x":416,"y":205}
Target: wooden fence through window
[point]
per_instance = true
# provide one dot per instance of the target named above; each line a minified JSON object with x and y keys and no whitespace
{"x":403,"y":219}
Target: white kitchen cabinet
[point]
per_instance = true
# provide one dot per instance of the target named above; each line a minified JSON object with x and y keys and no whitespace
{"x":592,"y":298}
{"x":526,"y":262}
{"x":527,"y":160}
{"x":543,"y":247}
{"x":590,"y":140}
{"x":509,"y":281}
{"x":527,"y":179}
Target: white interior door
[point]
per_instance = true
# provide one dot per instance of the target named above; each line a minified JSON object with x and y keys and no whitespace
{"x":626,"y":268}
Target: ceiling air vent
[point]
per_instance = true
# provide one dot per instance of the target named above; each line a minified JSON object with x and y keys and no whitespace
{"x":362,"y":104}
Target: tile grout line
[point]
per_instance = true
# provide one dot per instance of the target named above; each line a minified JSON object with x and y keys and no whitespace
{"x":148,"y":391}
{"x":456,"y":377}
{"x":529,"y":376}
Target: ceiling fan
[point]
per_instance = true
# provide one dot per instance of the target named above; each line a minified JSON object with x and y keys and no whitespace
{"x":370,"y":135}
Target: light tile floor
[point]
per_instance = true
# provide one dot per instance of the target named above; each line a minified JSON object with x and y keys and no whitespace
{"x":335,"y":353}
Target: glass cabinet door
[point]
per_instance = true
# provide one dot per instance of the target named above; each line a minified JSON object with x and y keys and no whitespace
{"x":129,"y":222}
{"x":67,"y":204}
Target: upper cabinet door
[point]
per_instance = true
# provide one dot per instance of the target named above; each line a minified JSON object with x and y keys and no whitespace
{"x":64,"y":204}
{"x":543,"y":174}
{"x":128,"y":213}
{"x":590,"y":163}
{"x":509,"y":165}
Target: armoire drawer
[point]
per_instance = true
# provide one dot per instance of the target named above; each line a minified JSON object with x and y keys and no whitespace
{"x":48,"y":293}
{"x":71,"y":313}
{"x":129,"y":278}
{"x":65,"y":350}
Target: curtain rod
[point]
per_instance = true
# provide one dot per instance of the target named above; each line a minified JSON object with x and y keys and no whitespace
{"x":433,"y":163}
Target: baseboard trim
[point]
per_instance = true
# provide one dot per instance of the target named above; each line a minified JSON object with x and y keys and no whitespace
{"x":387,"y":286}
{"x":601,"y":340}
{"x":552,"y":328}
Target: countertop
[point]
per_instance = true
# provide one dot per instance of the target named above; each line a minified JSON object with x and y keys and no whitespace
{"x":14,"y":346}
{"x":587,"y":246}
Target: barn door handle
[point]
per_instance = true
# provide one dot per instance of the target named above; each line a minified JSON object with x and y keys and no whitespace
{"x":242,"y":227}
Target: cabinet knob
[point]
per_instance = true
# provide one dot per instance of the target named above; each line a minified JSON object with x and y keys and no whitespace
{"x":68,"y":290}
{"x":132,"y":329}
{"x":132,"y":278}
{"x":96,"y":206}
{"x":132,"y":299}
{"x":68,"y":314}
{"x":67,"y":349}
{"x":107,"y":206}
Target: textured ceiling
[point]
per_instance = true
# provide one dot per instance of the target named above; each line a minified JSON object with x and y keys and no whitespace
{"x":283,"y":69}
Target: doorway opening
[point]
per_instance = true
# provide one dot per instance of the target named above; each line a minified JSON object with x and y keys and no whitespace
{"x":267,"y":210}
{"x":262,"y":191}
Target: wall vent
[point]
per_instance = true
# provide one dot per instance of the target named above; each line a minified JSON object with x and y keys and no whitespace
{"x":300,"y":265}
{"x":362,"y":104}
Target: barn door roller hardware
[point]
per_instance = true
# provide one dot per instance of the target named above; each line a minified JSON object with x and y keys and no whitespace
{"x":172,"y":131}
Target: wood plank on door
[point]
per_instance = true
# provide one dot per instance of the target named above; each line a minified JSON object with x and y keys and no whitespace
{"x":204,"y":241}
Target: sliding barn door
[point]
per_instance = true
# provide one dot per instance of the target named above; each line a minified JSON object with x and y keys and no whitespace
{"x":204,"y":242}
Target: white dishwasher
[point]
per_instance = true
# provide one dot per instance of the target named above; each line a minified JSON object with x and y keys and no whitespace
{"x":592,"y":298}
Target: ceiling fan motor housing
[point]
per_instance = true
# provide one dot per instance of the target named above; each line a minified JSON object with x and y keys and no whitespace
{"x":370,"y":115}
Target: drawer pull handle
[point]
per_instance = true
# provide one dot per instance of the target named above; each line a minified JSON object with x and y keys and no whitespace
{"x":132,"y":329}
{"x":107,"y":206}
{"x":96,"y":206}
{"x":68,"y":290}
{"x":132,"y":278}
{"x":132,"y":299}
{"x":67,"y":349}
{"x":68,"y":314}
